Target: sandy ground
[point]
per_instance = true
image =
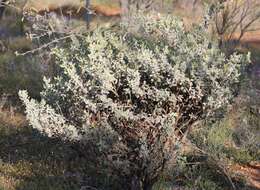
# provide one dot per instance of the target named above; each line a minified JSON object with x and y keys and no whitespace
{"x":75,"y":7}
{"x":252,"y":37}
{"x":46,"y":4}
{"x":52,"y":4}
{"x":251,"y":172}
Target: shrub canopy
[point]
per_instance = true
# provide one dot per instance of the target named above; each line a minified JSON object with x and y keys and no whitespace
{"x":134,"y":91}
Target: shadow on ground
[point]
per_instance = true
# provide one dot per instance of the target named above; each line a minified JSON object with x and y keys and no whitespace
{"x":31,"y":161}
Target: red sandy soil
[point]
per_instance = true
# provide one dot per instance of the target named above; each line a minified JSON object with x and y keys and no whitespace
{"x":74,"y":10}
{"x":107,"y":11}
{"x":80,"y":11}
{"x":252,"y":37}
{"x":251,"y":172}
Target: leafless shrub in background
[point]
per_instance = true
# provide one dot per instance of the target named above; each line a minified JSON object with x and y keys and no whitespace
{"x":130,"y":6}
{"x":2,"y":7}
{"x":234,"y":18}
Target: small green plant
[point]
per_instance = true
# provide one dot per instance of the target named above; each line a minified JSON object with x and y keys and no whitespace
{"x":236,"y":138}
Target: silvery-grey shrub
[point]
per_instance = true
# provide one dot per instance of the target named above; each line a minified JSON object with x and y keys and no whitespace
{"x":134,"y":91}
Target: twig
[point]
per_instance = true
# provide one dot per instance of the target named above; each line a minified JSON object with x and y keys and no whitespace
{"x":44,"y":46}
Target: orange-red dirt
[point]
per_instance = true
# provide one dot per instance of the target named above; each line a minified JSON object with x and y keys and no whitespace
{"x":250,"y":172}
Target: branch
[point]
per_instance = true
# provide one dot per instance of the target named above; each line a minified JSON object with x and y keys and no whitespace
{"x":45,"y":45}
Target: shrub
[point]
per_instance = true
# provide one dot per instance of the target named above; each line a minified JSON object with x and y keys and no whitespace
{"x":132,"y":92}
{"x":233,"y":19}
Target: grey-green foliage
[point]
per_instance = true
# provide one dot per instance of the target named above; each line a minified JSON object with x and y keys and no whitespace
{"x":142,"y":83}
